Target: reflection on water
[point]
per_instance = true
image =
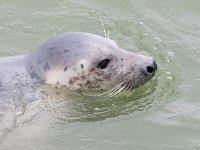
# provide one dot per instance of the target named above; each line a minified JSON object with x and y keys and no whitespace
{"x":90,"y":106}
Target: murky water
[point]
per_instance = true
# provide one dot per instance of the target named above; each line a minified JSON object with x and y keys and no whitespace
{"x":163,"y":114}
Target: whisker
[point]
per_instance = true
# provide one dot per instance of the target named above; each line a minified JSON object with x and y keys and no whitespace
{"x":108,"y":92}
{"x":121,"y":89}
{"x":118,"y":91}
{"x":113,"y":92}
{"x":130,"y":89}
{"x":128,"y":86}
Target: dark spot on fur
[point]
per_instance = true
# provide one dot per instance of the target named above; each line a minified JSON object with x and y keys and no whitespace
{"x":33,"y":73}
{"x":52,"y":47}
{"x":65,"y":69}
{"x":82,"y":66}
{"x":50,"y":54}
{"x":66,"y":50}
{"x":79,"y":45}
{"x":73,"y":80}
{"x":83,"y":77}
{"x":122,"y":59}
{"x":76,"y":78}
{"x":46,"y":67}
{"x":64,"y":86}
{"x":58,"y":53}
{"x":91,"y":70}
{"x":74,"y":69}
{"x":99,"y":73}
{"x":122,"y":65}
{"x":98,"y":86}
{"x":81,"y":85}
{"x":70,"y":81}
{"x":99,"y":80}
{"x":31,"y":67}
{"x":88,"y":83}
{"x":132,"y":69}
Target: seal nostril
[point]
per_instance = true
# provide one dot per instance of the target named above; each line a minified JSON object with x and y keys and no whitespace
{"x":150,"y":69}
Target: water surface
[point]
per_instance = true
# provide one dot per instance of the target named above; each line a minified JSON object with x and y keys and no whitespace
{"x":163,"y":114}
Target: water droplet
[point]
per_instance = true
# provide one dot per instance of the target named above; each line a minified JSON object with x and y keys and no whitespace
{"x":168,"y":72}
{"x":169,"y":77}
{"x":157,"y":39}
{"x":97,"y":109}
{"x":141,"y":23}
{"x":171,"y":54}
{"x":155,"y":48}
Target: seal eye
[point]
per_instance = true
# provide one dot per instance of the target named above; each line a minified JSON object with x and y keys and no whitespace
{"x":103,"y":64}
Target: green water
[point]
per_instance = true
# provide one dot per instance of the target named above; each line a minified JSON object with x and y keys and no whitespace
{"x":164,"y":114}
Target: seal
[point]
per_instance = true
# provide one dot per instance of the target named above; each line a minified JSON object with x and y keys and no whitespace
{"x":75,"y":60}
{"x":78,"y":60}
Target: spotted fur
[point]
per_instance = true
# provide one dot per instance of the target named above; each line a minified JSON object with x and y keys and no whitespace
{"x":71,"y":60}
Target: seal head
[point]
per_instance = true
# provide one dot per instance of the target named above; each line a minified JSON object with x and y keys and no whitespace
{"x":79,"y":60}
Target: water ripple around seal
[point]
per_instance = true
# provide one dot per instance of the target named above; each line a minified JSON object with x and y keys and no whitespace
{"x":75,"y":106}
{"x":130,"y":33}
{"x":84,"y":106}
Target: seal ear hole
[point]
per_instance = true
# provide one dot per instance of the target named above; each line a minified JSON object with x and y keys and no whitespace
{"x":103,"y":64}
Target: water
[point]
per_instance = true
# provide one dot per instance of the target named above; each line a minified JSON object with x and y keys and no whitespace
{"x":164,"y":114}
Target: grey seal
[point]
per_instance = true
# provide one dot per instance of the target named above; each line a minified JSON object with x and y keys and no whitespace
{"x":75,"y":60}
{"x":78,"y":60}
